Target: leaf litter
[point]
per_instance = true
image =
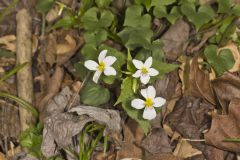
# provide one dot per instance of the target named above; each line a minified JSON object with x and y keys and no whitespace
{"x":194,"y":49}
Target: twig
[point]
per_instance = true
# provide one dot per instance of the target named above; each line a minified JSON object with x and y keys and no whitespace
{"x":194,"y":140}
{"x":24,"y":76}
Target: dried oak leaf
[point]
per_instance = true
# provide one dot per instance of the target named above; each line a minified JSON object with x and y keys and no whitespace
{"x":175,"y":39}
{"x":225,"y":126}
{"x":190,"y":118}
{"x":226,"y":87}
{"x":157,"y":142}
{"x":199,"y":83}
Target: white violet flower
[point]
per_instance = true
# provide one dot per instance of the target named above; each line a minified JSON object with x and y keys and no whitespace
{"x":144,"y":70}
{"x":103,"y":65}
{"x":149,"y":103}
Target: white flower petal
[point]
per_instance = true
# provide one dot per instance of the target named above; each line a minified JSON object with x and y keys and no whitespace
{"x":110,"y":71}
{"x":138,"y":103}
{"x":149,"y":113}
{"x":148,"y":62}
{"x":91,"y":65}
{"x":137,"y":74}
{"x":138,"y":64}
{"x":109,"y":60}
{"x":152,"y":72}
{"x":102,"y":55}
{"x":145,"y":78}
{"x":151,"y":92}
{"x":96,"y":76}
{"x":144,"y":93}
{"x":159,"y":101}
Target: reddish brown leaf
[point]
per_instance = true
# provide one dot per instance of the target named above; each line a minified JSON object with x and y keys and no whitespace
{"x":225,"y":126}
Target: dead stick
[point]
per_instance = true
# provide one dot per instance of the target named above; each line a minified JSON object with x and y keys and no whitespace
{"x":24,"y":54}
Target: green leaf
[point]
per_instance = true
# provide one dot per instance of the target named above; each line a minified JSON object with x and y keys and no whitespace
{"x":125,"y":98}
{"x":31,"y":139}
{"x":134,"y":37}
{"x":221,"y":62}
{"x":85,"y":5}
{"x":81,"y":70}
{"x":94,"y":95}
{"x":200,"y":17}
{"x":96,"y":37}
{"x":162,"y":2}
{"x":134,"y":17}
{"x":163,"y":68}
{"x":66,"y":22}
{"x":224,"y":6}
{"x":146,"y":3}
{"x":91,"y":22}
{"x":103,"y":3}
{"x":89,"y":51}
{"x":44,"y":6}
{"x":160,"y":11}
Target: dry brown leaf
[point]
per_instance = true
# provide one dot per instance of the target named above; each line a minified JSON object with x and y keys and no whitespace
{"x":175,"y":40}
{"x":8,"y":42}
{"x":185,"y":150}
{"x":165,"y":87}
{"x":66,"y":48}
{"x":133,"y":134}
{"x":162,"y":156}
{"x":190,"y":118}
{"x":2,"y":156}
{"x":225,"y":126}
{"x":226,"y":87}
{"x":157,"y":142}
{"x":199,"y":83}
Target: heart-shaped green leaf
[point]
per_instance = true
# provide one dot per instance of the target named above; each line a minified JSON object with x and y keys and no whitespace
{"x":221,"y":62}
{"x":94,"y":95}
{"x":198,"y":17}
{"x":134,"y":17}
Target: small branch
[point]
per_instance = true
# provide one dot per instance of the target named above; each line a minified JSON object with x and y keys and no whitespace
{"x":24,"y":55}
{"x":194,"y":140}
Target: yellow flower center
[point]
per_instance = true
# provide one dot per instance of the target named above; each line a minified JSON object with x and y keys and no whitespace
{"x":144,"y":70}
{"x":101,"y":66}
{"x":148,"y":102}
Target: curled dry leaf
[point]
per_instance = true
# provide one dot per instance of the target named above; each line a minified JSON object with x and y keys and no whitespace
{"x":199,"y":83}
{"x":108,"y":117}
{"x":225,"y":126}
{"x":175,"y":39}
{"x":226,"y":87}
{"x":61,"y":45}
{"x":8,"y":42}
{"x":59,"y":129}
{"x":157,"y":142}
